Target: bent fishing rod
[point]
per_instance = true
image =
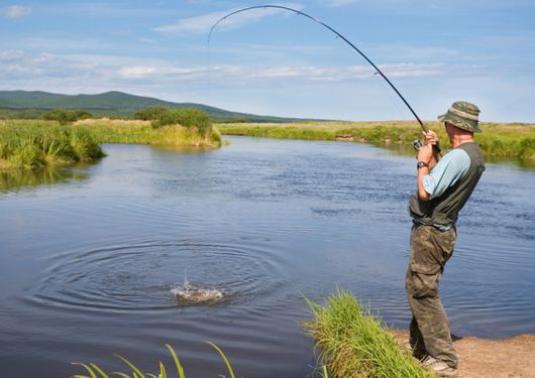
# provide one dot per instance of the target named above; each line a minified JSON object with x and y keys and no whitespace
{"x":377,"y":69}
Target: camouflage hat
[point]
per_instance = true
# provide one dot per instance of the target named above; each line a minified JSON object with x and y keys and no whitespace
{"x":463,"y":115}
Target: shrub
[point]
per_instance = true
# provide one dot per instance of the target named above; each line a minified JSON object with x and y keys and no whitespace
{"x":66,"y":116}
{"x":150,"y":114}
{"x":189,"y":118}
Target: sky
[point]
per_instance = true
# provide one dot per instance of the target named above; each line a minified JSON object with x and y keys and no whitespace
{"x":274,"y":62}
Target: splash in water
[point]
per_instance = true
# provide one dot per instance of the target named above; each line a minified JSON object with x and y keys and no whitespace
{"x":189,"y":294}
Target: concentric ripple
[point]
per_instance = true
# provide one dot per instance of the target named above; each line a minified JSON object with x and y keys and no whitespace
{"x":141,"y":277}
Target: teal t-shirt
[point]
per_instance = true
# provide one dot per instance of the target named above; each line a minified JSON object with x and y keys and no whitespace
{"x":450,"y":169}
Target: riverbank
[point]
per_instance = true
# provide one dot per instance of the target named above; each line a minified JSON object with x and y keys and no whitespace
{"x":497,"y":358}
{"x":499,"y":141}
{"x":36,"y":144}
{"x":352,"y":343}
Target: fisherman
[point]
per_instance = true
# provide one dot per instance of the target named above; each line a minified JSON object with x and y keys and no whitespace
{"x":443,"y":188}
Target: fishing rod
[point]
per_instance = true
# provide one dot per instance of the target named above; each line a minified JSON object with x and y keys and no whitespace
{"x":377,"y":69}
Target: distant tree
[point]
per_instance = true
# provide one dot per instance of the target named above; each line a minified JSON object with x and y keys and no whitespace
{"x":66,"y":116}
{"x":150,"y":114}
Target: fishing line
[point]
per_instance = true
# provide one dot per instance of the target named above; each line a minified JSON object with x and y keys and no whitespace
{"x":377,"y":69}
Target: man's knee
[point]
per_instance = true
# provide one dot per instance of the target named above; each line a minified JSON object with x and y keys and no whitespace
{"x":422,"y":285}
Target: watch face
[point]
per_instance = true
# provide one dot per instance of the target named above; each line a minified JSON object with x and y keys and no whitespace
{"x":421,"y":164}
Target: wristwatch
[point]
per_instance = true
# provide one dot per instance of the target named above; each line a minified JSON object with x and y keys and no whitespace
{"x":422,"y":164}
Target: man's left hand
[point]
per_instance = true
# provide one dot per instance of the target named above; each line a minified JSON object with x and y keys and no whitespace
{"x":425,"y":153}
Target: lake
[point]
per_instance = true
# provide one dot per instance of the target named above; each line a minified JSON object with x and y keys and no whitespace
{"x":88,"y":264}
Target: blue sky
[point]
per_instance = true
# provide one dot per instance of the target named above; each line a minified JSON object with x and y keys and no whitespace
{"x":271,"y":62}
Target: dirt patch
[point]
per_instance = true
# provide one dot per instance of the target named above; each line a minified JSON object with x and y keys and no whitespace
{"x":486,"y":358}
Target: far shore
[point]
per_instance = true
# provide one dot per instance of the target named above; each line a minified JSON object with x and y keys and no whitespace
{"x":499,"y":141}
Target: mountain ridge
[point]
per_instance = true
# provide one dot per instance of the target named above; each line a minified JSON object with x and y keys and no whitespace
{"x":116,"y":103}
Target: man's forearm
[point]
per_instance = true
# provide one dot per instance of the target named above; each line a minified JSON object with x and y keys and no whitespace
{"x":422,"y":194}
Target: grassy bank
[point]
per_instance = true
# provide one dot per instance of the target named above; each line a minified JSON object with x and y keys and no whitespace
{"x":33,"y":144}
{"x":354,"y":344}
{"x":38,"y":144}
{"x":508,"y":141}
{"x":142,"y":132}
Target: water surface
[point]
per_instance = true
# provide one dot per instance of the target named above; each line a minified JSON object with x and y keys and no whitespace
{"x":87,"y":267}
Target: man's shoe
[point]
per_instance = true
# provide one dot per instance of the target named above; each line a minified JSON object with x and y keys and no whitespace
{"x":440,"y":368}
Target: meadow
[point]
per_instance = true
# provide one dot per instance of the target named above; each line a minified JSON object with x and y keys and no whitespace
{"x":499,"y":141}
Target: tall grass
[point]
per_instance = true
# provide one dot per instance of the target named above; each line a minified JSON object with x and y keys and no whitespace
{"x":498,"y":141}
{"x":94,"y":371}
{"x":34,"y":145}
{"x":142,"y":132}
{"x":352,"y":343}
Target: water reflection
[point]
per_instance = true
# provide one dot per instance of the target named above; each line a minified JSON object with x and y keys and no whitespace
{"x":14,"y":180}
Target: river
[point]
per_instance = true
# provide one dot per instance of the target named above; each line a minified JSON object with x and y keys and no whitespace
{"x":87,"y":265}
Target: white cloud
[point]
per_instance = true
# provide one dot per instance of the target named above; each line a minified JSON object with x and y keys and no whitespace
{"x":338,"y":3}
{"x":21,"y":66}
{"x":202,"y":23}
{"x":16,"y":11}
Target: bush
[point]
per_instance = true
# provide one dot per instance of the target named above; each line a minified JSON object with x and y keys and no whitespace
{"x":189,"y":118}
{"x":150,"y":114}
{"x":66,"y":116}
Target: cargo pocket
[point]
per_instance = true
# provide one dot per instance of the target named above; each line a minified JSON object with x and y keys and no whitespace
{"x":426,"y":263}
{"x":421,"y":285}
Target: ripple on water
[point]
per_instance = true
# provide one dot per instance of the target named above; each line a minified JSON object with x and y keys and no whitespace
{"x":142,"y":277}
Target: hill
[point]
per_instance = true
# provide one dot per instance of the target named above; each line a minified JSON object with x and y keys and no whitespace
{"x":28,"y":104}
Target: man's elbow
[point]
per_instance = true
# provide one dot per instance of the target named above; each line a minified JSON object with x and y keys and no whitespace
{"x":423,"y":196}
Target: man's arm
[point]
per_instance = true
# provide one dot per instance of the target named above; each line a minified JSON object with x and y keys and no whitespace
{"x":425,"y":155}
{"x":434,"y":182}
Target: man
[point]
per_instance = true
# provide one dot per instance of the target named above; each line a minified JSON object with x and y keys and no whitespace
{"x":443,"y":187}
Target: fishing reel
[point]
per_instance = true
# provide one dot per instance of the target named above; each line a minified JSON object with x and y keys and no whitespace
{"x":417,"y":144}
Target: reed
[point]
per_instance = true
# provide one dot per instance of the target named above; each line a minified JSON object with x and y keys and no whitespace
{"x":142,"y":132}
{"x":94,"y":371}
{"x":37,"y":144}
{"x":352,"y":343}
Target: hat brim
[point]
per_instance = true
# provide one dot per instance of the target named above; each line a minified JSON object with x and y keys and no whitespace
{"x":461,"y":123}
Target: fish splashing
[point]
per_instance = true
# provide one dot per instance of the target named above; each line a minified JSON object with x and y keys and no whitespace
{"x":189,"y":294}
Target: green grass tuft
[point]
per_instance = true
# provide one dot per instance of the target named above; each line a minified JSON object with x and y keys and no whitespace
{"x":352,"y":343}
{"x":35,"y":145}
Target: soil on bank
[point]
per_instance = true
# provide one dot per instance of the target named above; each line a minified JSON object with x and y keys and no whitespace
{"x":485,"y":358}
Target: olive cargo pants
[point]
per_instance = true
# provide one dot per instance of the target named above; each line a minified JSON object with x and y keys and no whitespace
{"x":429,"y":330}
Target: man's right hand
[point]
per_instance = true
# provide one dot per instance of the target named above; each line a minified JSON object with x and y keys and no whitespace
{"x":430,"y":137}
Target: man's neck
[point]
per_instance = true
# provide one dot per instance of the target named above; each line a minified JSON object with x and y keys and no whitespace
{"x":461,"y":139}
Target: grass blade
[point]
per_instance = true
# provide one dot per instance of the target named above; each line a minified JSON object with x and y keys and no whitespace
{"x":137,"y":372}
{"x":99,"y":370}
{"x":120,"y":374}
{"x":88,"y":368}
{"x":179,"y":368}
{"x":227,"y":362}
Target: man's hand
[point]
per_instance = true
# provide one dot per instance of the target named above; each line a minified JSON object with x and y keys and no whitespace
{"x":430,"y":137}
{"x":425,"y":153}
